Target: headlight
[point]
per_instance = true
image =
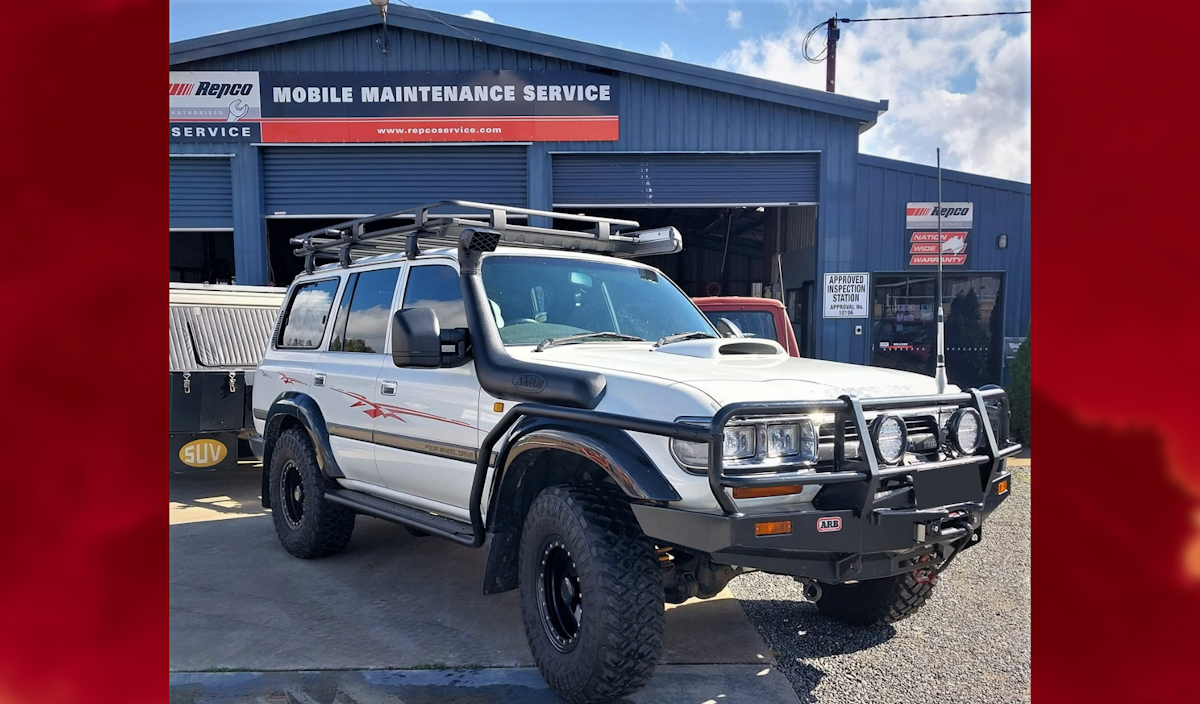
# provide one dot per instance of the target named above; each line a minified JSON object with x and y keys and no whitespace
{"x":739,"y":441}
{"x":890,"y":438}
{"x":769,"y":442}
{"x":791,"y":439}
{"x":965,"y":430}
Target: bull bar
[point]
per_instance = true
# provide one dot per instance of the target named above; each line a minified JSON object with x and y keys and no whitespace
{"x":866,"y":468}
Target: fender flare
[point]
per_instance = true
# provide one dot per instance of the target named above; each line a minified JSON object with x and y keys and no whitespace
{"x":303,"y":408}
{"x":611,"y":449}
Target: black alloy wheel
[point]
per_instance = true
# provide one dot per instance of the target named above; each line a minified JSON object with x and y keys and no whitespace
{"x":560,"y":596}
{"x":291,"y":495}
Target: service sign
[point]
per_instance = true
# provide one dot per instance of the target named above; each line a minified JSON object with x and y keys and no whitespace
{"x":921,"y":234}
{"x":846,"y":295}
{"x":405,"y":106}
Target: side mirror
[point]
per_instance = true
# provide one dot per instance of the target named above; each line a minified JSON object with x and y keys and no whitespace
{"x":416,"y":338}
{"x":726,"y":327}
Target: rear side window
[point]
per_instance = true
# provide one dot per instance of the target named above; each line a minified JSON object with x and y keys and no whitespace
{"x":437,"y":287}
{"x":362,"y":325}
{"x":306,"y":315}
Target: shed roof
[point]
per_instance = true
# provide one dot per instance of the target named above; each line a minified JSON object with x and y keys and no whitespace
{"x":865,"y":111}
{"x":947,"y":174}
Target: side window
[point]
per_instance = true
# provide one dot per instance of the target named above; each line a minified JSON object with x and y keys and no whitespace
{"x":306,"y":315}
{"x":436,"y":287}
{"x":362,"y":325}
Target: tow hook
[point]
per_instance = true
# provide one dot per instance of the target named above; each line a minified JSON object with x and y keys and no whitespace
{"x":811,"y":588}
{"x":924,"y":575}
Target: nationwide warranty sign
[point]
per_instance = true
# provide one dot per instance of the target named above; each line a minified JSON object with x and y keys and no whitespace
{"x":921,"y":234}
{"x":406,"y":106}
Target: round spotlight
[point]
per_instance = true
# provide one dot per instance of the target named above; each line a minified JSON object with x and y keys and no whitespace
{"x":890,"y":438}
{"x":966,"y":431}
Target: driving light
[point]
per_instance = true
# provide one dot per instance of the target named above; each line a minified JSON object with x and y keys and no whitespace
{"x":965,"y":427}
{"x":739,"y":442}
{"x":890,"y":438}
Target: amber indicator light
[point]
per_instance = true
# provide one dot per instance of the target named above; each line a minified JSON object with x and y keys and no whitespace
{"x":748,"y":493}
{"x":1002,"y":486}
{"x":498,"y":407}
{"x":773,"y":528}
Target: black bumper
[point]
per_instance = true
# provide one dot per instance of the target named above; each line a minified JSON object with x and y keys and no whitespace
{"x":829,"y":546}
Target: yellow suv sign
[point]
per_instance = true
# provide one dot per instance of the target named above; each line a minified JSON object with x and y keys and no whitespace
{"x":203,"y":453}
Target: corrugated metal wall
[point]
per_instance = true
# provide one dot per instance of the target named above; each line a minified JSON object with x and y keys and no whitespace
{"x":1001,"y":207}
{"x":655,"y":116}
{"x":365,"y":181}
{"x":723,"y":179}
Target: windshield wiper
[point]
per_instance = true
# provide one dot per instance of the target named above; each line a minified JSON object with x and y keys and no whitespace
{"x":572,"y":339}
{"x":681,"y":336}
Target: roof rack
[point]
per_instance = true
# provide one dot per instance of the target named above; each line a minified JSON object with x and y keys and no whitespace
{"x":349,"y":240}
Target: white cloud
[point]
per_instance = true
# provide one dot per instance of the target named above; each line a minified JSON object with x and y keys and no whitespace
{"x":681,"y":6}
{"x":925,"y":69}
{"x":479,"y":15}
{"x":664,"y":50}
{"x":733,"y":18}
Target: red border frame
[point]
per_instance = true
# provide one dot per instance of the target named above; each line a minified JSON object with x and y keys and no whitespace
{"x":83,"y":596}
{"x":1118,"y":597}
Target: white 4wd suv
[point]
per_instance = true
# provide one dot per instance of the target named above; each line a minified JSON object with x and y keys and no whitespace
{"x":578,"y":416}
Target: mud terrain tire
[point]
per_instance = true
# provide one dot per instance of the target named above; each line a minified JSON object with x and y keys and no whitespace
{"x":308,"y":526}
{"x":876,"y":602}
{"x":586,"y":533}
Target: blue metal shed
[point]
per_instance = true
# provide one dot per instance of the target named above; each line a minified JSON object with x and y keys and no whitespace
{"x":689,"y":136}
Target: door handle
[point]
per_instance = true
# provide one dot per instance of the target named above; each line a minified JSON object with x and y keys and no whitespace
{"x":388,"y":388}
{"x":318,"y":379}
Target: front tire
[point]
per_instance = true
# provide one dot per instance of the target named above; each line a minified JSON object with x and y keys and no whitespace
{"x":876,"y":602}
{"x":591,"y":593}
{"x":307,"y":524}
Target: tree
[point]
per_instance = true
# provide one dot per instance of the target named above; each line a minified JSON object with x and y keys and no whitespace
{"x":1019,"y":392}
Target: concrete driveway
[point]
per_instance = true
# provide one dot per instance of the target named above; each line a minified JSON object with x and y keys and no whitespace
{"x":246,"y":617}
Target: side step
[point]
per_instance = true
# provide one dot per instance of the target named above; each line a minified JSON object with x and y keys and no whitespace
{"x":441,"y":526}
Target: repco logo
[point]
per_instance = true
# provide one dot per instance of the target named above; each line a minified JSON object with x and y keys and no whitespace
{"x":829,"y":524}
{"x":950,"y":212}
{"x":203,"y":453}
{"x":220,"y":90}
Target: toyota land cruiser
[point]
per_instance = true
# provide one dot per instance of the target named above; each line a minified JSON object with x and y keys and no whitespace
{"x":535,"y":392}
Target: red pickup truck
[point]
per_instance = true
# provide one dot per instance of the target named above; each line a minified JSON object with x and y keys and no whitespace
{"x":756,"y":317}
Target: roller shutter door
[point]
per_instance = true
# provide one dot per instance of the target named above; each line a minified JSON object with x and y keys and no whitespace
{"x":201,"y":193}
{"x":369,"y":180}
{"x":685,"y":179}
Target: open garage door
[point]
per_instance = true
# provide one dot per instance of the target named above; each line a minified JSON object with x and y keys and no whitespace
{"x":201,"y":195}
{"x":359,"y":181}
{"x":685,"y":179}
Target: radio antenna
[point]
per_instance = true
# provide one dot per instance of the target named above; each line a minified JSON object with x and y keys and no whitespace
{"x":940,"y":371}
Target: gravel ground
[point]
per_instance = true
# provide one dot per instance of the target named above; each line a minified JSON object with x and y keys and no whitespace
{"x":969,"y":643}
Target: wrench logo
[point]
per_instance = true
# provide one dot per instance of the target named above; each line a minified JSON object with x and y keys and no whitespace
{"x":237,"y":110}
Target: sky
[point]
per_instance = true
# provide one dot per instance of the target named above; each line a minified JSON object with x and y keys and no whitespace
{"x":959,"y":84}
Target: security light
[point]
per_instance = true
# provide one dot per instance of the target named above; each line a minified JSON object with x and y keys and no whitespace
{"x":1002,"y":242}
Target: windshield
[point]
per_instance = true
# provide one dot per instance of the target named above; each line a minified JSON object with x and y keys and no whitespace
{"x":536,"y":298}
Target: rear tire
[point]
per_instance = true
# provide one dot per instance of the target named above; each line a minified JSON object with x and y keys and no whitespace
{"x":875,"y":602}
{"x":591,"y":593}
{"x":307,"y":524}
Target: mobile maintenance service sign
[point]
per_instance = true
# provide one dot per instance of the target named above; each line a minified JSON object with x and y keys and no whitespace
{"x":846,"y":295}
{"x":921,"y":235}
{"x":406,"y":106}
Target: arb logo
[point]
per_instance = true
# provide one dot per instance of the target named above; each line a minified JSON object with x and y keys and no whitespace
{"x":202,"y":453}
{"x":829,"y":524}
